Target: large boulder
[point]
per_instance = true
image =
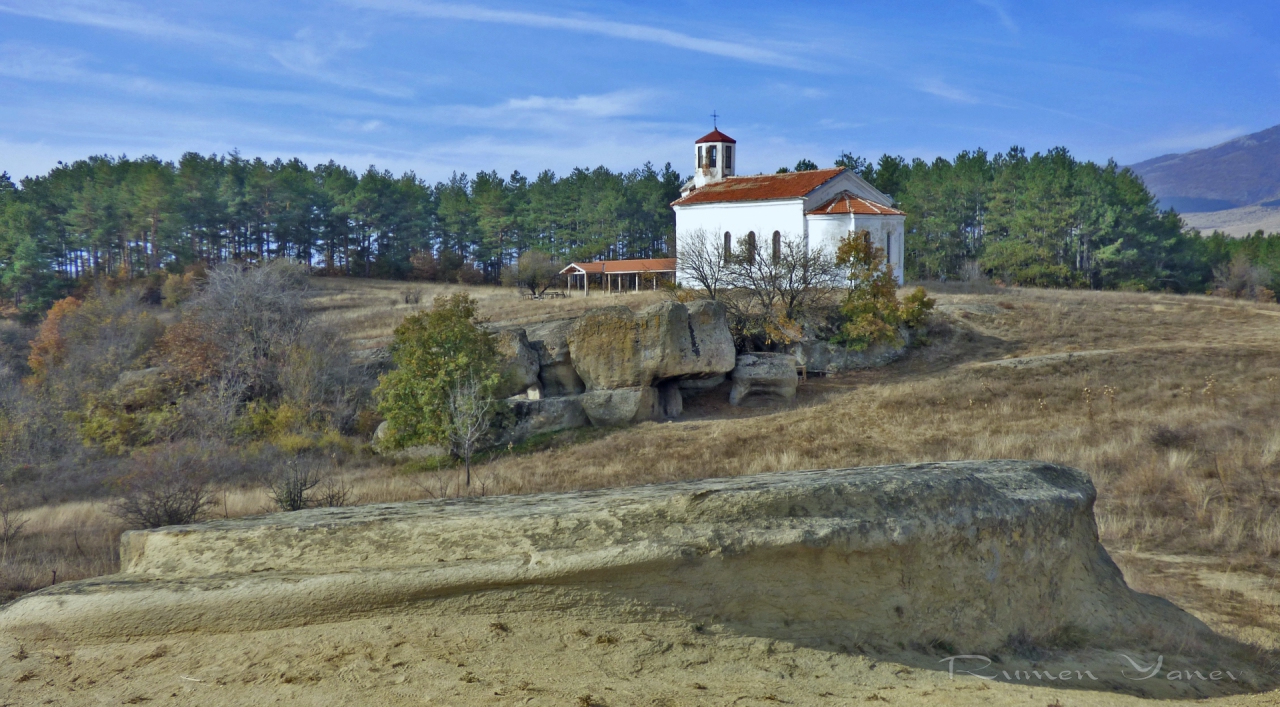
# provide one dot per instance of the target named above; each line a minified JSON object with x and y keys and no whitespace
{"x":763,"y":375}
{"x":613,"y":347}
{"x":968,"y":556}
{"x":622,"y":406}
{"x":530,"y":417}
{"x":518,"y":360}
{"x":550,"y":340}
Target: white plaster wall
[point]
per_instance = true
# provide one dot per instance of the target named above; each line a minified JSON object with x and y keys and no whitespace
{"x":739,"y":218}
{"x":825,"y":232}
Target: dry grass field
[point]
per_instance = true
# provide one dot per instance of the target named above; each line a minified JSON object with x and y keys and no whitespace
{"x":1169,"y":402}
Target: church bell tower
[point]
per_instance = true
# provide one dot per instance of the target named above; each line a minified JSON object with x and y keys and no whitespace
{"x":715,"y":157}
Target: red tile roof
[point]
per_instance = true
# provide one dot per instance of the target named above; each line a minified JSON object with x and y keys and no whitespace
{"x":846,"y":203}
{"x":597,"y":267}
{"x":715,"y":136}
{"x":761,"y":187}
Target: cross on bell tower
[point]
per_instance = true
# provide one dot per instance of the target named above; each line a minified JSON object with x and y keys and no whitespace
{"x":715,"y":155}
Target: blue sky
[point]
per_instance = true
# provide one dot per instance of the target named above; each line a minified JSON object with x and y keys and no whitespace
{"x":436,"y":87}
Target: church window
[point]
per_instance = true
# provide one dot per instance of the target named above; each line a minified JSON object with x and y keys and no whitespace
{"x":711,"y":157}
{"x":728,"y":247}
{"x":777,"y":246}
{"x":728,"y":157}
{"x":750,"y":254}
{"x":701,"y":164}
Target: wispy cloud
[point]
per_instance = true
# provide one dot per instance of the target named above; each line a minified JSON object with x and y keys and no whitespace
{"x":1177,"y":22}
{"x":112,"y":15}
{"x":312,"y":54}
{"x":1194,"y":139}
{"x":32,"y":62}
{"x":750,"y":51}
{"x":941,"y":89}
{"x":1001,"y":14}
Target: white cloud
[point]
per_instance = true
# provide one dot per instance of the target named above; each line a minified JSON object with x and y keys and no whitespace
{"x":312,"y":54}
{"x":1001,"y":14}
{"x":32,"y":62}
{"x":113,"y":15}
{"x":941,"y":89}
{"x":749,"y":51}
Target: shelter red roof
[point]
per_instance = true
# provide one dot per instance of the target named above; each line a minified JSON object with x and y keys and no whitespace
{"x":614,"y":267}
{"x":846,"y":203}
{"x":715,"y":136}
{"x":761,"y":187}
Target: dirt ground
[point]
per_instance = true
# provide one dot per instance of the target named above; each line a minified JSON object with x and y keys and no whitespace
{"x":524,"y":659}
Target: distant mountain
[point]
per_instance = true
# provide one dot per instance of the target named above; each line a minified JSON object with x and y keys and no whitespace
{"x":1240,"y":172}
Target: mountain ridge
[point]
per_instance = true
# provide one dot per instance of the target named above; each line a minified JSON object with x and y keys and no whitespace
{"x":1243,"y":171}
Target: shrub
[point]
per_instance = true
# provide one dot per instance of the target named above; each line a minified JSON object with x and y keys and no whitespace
{"x":302,"y":483}
{"x":168,"y":485}
{"x":871,"y":310}
{"x":249,"y":336}
{"x":433,"y":352}
{"x":1240,"y":278}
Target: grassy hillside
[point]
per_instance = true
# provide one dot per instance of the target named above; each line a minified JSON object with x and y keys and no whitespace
{"x":1169,"y":402}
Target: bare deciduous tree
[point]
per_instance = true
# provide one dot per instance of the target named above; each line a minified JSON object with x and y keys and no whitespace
{"x":701,"y":258}
{"x":12,"y":521}
{"x":469,"y":418}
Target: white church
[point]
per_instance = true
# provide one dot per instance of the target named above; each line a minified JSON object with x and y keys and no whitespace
{"x":758,"y":212}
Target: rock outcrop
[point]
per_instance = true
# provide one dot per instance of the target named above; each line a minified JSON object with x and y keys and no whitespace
{"x":555,"y":370}
{"x":540,"y":416}
{"x":825,"y":357}
{"x":966,"y":553}
{"x":764,"y":375}
{"x":622,"y":406}
{"x":519,"y":362}
{"x":613,"y":347}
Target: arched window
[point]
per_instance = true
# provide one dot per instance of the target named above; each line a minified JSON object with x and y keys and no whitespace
{"x":728,"y":247}
{"x":749,"y":255}
{"x":711,"y":157}
{"x":777,"y":246}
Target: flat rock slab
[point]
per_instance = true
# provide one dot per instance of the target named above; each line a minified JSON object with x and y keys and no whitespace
{"x":963,"y":554}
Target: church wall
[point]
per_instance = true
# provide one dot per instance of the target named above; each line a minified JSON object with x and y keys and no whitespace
{"x":763,"y":217}
{"x":826,"y":231}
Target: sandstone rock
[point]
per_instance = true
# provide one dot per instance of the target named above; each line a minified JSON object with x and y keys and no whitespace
{"x":816,"y":355}
{"x":696,"y":386}
{"x":519,"y":362}
{"x":613,"y":347}
{"x":535,"y":416}
{"x":966,"y":553}
{"x":771,"y":375}
{"x":622,"y":406}
{"x":556,"y":373}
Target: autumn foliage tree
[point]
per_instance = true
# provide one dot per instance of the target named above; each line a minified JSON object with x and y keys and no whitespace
{"x":872,"y":311}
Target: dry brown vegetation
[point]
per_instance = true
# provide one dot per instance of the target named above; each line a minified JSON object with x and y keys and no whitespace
{"x":1169,"y":402}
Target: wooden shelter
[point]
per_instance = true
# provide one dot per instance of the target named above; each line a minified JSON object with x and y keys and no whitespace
{"x":620,"y":275}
